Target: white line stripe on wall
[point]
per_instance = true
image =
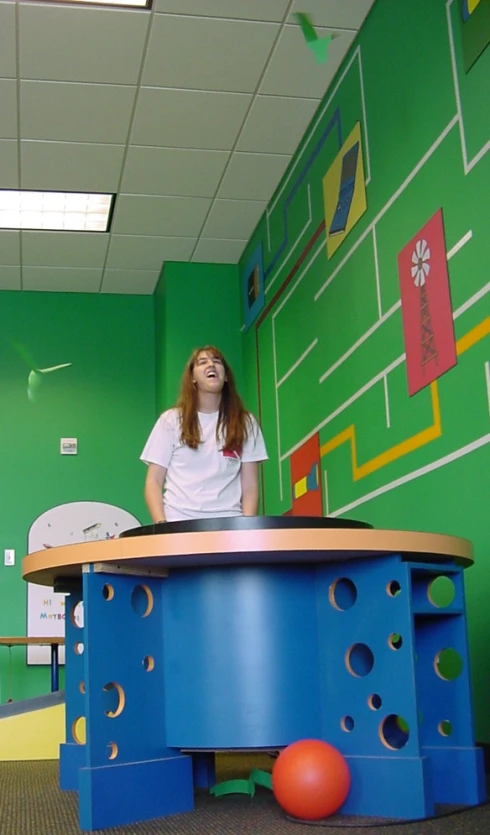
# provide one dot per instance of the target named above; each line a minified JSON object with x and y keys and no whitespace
{"x":301,"y":275}
{"x":471,"y":301}
{"x":364,"y":116}
{"x":325,"y":481}
{"x":276,"y":395}
{"x":464,"y":240}
{"x":360,"y":341}
{"x":298,"y":361}
{"x":376,"y":272}
{"x":456,"y":85}
{"x":376,"y":379}
{"x":481,"y":153}
{"x":292,"y":248}
{"x":395,"y":307}
{"x":387,"y":401}
{"x":487,"y":378}
{"x":436,"y":465}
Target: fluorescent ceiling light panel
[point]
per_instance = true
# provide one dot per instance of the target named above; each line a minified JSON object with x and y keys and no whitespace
{"x":55,"y":210}
{"x":137,"y":4}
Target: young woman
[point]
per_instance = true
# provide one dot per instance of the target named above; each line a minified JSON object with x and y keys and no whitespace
{"x":206,"y":450}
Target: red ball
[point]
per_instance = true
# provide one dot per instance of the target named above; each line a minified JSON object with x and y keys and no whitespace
{"x":310,"y":779}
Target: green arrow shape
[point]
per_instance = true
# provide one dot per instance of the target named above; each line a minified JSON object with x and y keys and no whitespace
{"x":306,"y":27}
{"x":320,"y":48}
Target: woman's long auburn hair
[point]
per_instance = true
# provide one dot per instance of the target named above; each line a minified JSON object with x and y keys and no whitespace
{"x":233,"y":419}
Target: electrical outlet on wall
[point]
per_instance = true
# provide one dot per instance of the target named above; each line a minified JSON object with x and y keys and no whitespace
{"x":9,"y":556}
{"x":68,"y":446}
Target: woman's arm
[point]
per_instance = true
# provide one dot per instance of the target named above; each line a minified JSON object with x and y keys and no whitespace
{"x":249,"y":475}
{"x":153,"y":491}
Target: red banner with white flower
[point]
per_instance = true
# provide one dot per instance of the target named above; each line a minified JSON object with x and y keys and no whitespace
{"x":428,"y":329}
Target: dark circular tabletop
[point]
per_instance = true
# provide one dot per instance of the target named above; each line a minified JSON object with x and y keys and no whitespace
{"x":247,"y":523}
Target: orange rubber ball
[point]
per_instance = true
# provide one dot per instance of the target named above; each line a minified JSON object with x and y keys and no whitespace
{"x":310,"y":779}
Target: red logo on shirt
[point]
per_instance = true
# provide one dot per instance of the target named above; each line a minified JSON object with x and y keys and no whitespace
{"x":232,"y":453}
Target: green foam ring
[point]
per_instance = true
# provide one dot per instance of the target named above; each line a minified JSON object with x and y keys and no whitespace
{"x":233,"y":787}
{"x":261,"y":778}
{"x":257,"y":778}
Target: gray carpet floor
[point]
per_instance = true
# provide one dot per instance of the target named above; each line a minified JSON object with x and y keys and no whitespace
{"x":31,"y":803}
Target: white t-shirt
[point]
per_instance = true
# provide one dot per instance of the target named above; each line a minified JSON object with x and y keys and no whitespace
{"x":204,"y":482}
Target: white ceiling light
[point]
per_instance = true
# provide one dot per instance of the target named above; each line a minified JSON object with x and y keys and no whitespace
{"x":55,"y":210}
{"x":138,"y":4}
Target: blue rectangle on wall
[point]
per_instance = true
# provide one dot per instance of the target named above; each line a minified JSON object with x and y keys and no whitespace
{"x":253,"y":290}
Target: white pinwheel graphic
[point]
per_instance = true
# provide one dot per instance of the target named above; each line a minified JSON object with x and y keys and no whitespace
{"x":420,"y":259}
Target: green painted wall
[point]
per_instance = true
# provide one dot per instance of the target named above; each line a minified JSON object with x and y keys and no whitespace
{"x":426,"y":140}
{"x":106,"y":399}
{"x":195,"y":304}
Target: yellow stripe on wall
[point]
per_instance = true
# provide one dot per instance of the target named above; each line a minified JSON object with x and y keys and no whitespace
{"x":416,"y":441}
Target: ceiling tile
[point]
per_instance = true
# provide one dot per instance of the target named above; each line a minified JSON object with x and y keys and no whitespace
{"x":76,"y":112}
{"x":71,"y":166}
{"x":173,"y":171}
{"x":8,"y":109}
{"x":61,"y":279}
{"x":10,"y":278}
{"x":81,"y":44}
{"x":8,"y":67}
{"x":343,"y":14}
{"x":215,"y":251}
{"x":273,"y":10}
{"x":64,"y":249}
{"x":253,"y":176}
{"x":188,"y":119}
{"x":234,"y":219}
{"x":165,"y":216}
{"x":202,"y":53}
{"x":9,"y":168}
{"x":137,"y":282}
{"x":9,"y":247}
{"x":276,"y":125}
{"x":146,"y":253}
{"x":293,"y":70}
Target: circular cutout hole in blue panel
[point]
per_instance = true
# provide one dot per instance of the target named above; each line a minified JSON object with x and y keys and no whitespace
{"x":148,"y":663}
{"x":108,"y":591}
{"x":342,"y":594}
{"x":445,"y":728}
{"x":78,"y":730}
{"x":441,"y":592}
{"x":395,"y":640}
{"x":448,"y":664}
{"x":359,"y":660}
{"x":375,"y":701}
{"x":394,"y":732}
{"x":347,"y":723}
{"x":113,"y":699}
{"x":76,"y":614}
{"x":112,"y":750}
{"x":142,"y":601}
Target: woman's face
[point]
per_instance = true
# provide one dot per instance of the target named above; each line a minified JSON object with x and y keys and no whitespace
{"x":208,"y":373}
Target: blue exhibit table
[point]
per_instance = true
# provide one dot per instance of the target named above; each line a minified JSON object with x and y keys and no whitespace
{"x":251,"y":633}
